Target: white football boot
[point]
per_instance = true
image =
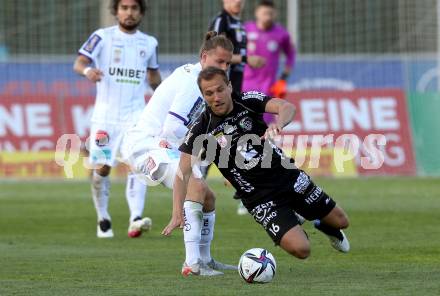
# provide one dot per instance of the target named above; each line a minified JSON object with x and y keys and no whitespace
{"x":138,"y":226}
{"x":220,"y":266}
{"x":199,"y":268}
{"x":338,"y":240}
{"x":340,"y":245}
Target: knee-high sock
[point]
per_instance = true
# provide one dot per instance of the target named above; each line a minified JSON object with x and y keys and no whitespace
{"x":135,"y":192}
{"x":207,"y":234}
{"x":192,"y":212}
{"x":100,"y":195}
{"x":328,"y":230}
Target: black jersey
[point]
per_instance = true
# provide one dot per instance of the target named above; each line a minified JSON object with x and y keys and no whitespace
{"x":255,"y":167}
{"x":234,"y":30}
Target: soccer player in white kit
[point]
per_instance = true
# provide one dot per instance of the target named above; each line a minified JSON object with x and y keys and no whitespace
{"x":123,"y":59}
{"x":150,"y":148}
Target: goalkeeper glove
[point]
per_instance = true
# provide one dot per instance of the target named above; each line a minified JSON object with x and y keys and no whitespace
{"x":279,"y":89}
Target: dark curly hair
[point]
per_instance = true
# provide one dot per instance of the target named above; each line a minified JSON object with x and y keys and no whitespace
{"x":114,"y":6}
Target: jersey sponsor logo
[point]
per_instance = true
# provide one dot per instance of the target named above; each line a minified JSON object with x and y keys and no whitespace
{"x":250,"y":156}
{"x":229,"y":129}
{"x":314,"y":196}
{"x":142,"y":53}
{"x":246,"y":124}
{"x":102,"y":138}
{"x":92,"y":43}
{"x":253,"y":95}
{"x":302,"y":182}
{"x":126,"y":73}
{"x":243,"y":184}
{"x":263,"y":213}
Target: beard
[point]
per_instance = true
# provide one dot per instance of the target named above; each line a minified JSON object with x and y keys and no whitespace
{"x":130,"y":27}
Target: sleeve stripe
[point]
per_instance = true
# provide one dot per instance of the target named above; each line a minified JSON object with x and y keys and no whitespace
{"x":185,"y":122}
{"x":217,"y":24}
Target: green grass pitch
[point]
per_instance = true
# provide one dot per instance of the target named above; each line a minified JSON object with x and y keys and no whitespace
{"x":48,"y":244}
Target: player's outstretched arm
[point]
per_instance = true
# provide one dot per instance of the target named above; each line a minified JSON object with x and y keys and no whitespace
{"x":286,"y":112}
{"x":179,"y":193}
{"x":82,"y":67}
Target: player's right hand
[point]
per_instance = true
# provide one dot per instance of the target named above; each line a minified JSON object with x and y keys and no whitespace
{"x":174,"y":223}
{"x":272,"y":131}
{"x":94,"y":75}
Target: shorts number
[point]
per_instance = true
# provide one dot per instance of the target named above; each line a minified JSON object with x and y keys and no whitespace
{"x":274,"y":229}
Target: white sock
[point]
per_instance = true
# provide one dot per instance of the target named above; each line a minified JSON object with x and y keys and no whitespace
{"x":192,"y":215}
{"x":100,"y":195}
{"x":207,"y":234}
{"x":135,"y":192}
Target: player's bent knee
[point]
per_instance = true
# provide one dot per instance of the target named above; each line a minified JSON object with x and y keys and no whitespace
{"x":296,"y":243}
{"x":300,"y":251}
{"x":209,"y":204}
{"x":342,"y":218}
{"x":344,"y":223}
{"x":197,"y":189}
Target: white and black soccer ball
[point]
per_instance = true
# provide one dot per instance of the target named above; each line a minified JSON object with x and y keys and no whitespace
{"x":257,"y":266}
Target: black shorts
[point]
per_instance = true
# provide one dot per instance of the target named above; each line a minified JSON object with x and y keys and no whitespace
{"x":276,"y":213}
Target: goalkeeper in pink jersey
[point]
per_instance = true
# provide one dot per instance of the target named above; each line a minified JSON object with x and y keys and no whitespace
{"x":268,"y":39}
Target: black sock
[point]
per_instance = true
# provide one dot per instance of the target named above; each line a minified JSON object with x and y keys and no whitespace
{"x":329,"y":230}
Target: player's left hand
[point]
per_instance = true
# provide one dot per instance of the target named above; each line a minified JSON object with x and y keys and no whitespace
{"x":173,"y":224}
{"x":272,"y":131}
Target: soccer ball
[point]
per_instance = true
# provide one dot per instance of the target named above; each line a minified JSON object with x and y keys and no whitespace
{"x":257,"y":266}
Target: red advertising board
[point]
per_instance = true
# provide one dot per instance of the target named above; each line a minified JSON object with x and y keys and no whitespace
{"x":360,"y":114}
{"x":77,"y":112}
{"x":31,"y":123}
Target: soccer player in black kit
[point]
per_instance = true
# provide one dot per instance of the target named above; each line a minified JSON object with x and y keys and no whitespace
{"x":232,"y":134}
{"x":228,"y":22}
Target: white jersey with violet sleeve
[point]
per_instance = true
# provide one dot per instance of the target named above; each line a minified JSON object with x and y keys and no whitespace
{"x":124,"y":59}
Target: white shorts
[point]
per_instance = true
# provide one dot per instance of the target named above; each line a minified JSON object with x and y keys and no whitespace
{"x":104,"y":143}
{"x":149,"y":161}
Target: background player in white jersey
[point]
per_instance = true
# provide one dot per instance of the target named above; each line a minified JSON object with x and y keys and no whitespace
{"x":150,"y":149}
{"x":123,"y":59}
